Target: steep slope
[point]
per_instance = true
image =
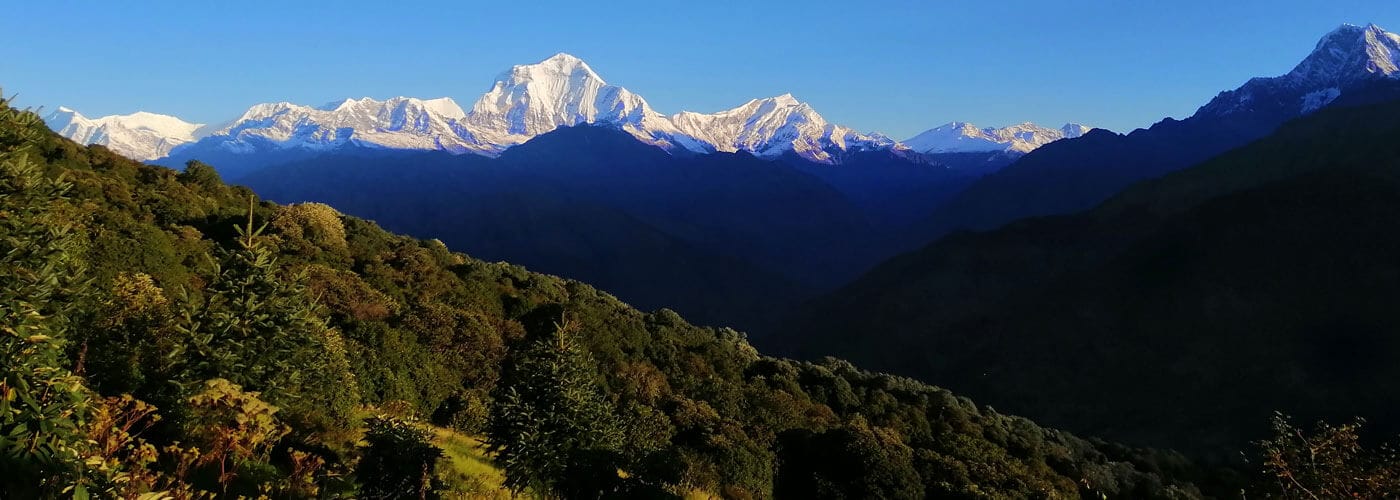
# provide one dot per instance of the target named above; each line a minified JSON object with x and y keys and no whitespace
{"x":140,"y":136}
{"x":430,"y":332}
{"x":561,"y":91}
{"x":764,"y":212}
{"x":760,"y":234}
{"x":1351,"y":64}
{"x":893,"y":188}
{"x":725,"y":237}
{"x":1262,"y":280}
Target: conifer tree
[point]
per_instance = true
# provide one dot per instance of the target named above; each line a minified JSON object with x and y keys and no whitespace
{"x":550,"y":427}
{"x":260,"y":331}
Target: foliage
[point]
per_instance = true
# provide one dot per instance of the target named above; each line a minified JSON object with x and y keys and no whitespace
{"x":190,"y":290}
{"x":550,"y":426}
{"x":231,"y":428}
{"x":853,"y":461}
{"x":1329,"y":462}
{"x":125,"y":347}
{"x":309,"y":227}
{"x":400,"y":461}
{"x":261,"y":332}
{"x":43,"y":406}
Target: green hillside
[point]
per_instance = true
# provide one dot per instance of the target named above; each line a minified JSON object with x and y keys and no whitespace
{"x":152,"y":345}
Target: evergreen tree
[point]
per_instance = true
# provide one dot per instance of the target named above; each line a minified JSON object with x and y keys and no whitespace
{"x":550,"y":427}
{"x":262,"y":332}
{"x":42,"y":404}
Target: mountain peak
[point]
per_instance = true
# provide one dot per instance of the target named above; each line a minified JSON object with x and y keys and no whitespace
{"x":558,"y":66}
{"x":560,"y":91}
{"x":141,"y":135}
{"x":964,"y":137}
{"x":563,"y":58}
{"x":1345,"y":58}
{"x":525,"y":101}
{"x":1350,"y":53}
{"x":784,"y":100}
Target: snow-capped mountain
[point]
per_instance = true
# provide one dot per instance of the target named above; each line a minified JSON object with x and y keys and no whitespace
{"x":770,"y":127}
{"x":963,"y":137}
{"x":1348,"y":56}
{"x":529,"y":100}
{"x":523,"y":102}
{"x":532,"y":99}
{"x":141,"y":136}
{"x":397,"y":123}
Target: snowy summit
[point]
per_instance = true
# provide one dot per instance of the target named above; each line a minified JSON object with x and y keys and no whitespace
{"x":1346,"y":57}
{"x":963,"y":137}
{"x":522,"y":103}
{"x":140,"y":136}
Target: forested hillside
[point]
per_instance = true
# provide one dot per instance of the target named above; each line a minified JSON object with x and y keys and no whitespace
{"x":166,"y":332}
{"x":1178,"y":313}
{"x":724,"y":238}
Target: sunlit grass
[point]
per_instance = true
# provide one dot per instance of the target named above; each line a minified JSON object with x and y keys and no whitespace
{"x":468,"y":470}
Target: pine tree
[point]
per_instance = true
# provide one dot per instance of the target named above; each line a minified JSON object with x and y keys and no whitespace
{"x":550,"y":427}
{"x":261,"y":332}
{"x":42,"y":404}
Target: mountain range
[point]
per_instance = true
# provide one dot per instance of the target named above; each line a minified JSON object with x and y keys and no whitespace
{"x":1172,"y":286}
{"x":140,"y":136}
{"x":963,"y":137}
{"x":364,"y":364}
{"x":1068,"y":176}
{"x":1257,"y":279}
{"x":770,"y":197}
{"x":1262,"y":280}
{"x":522,"y":103}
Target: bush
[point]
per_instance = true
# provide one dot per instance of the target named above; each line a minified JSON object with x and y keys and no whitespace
{"x":400,"y":461}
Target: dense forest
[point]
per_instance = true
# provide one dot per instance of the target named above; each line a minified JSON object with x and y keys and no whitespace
{"x":165,"y":335}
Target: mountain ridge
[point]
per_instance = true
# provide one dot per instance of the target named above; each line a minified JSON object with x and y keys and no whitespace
{"x":522,"y":102}
{"x":140,"y":135}
{"x":1256,"y":281}
{"x":1069,"y":176}
{"x":964,"y":137}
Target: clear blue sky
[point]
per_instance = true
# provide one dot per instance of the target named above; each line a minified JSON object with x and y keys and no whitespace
{"x":893,"y":66}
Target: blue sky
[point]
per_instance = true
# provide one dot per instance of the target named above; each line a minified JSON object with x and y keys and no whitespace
{"x":897,"y":66}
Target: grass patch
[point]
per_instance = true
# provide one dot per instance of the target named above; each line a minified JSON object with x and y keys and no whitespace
{"x":469,"y":471}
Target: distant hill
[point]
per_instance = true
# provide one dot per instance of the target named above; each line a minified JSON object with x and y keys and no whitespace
{"x":1350,"y":65}
{"x":726,"y":237}
{"x":1179,"y":311}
